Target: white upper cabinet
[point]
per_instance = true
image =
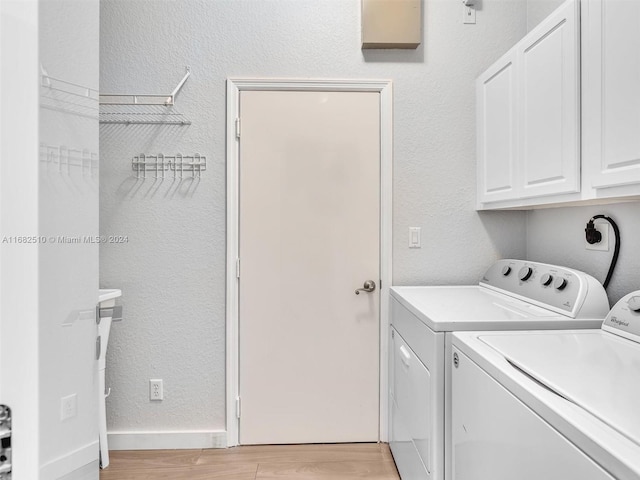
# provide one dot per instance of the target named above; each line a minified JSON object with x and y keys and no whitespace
{"x":528,"y":116}
{"x":611,"y":96}
{"x":497,"y":132}
{"x":549,"y":105}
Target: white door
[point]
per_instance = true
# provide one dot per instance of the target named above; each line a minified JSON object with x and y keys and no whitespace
{"x":549,"y":98}
{"x":497,"y":131}
{"x":611,"y":34}
{"x":309,"y":237}
{"x":48,"y":191}
{"x":19,"y":342}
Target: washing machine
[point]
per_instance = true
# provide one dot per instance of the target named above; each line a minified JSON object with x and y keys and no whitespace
{"x":549,"y":405}
{"x":511,"y":295}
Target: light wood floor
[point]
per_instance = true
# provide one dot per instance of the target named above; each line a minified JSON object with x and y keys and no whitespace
{"x":301,"y":462}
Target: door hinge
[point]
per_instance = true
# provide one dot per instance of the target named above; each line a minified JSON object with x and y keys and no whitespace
{"x":238,"y":407}
{"x":237,"y":128}
{"x":5,"y":443}
{"x":237,"y":268}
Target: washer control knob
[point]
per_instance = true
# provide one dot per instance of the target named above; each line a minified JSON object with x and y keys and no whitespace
{"x":634,"y":304}
{"x":546,"y":279}
{"x":506,"y":270}
{"x":560,"y":283}
{"x":525,"y":273}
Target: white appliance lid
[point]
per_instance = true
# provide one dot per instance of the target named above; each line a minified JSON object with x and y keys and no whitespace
{"x":595,"y":370}
{"x":449,"y":308}
{"x":460,"y":303}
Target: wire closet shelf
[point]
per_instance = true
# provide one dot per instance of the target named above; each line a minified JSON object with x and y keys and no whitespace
{"x":63,"y":96}
{"x":143,"y":108}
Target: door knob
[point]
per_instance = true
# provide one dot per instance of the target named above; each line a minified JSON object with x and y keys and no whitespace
{"x":369,"y":286}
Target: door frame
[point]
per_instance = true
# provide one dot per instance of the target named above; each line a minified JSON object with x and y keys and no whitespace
{"x":234,"y":87}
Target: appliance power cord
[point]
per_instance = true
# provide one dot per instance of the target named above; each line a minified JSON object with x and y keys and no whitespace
{"x":593,"y":236}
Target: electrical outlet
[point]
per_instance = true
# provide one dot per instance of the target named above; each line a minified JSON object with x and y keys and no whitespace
{"x":156,"y":392}
{"x":603,"y":244}
{"x":68,"y":407}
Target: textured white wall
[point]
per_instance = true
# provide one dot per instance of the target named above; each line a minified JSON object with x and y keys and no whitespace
{"x":172,"y":270}
{"x":538,"y":10}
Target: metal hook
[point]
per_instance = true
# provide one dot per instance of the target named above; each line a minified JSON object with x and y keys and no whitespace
{"x":160,"y":165}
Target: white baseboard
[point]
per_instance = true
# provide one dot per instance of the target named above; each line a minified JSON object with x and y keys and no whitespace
{"x":76,"y":462}
{"x":167,"y":440}
{"x":90,"y":471}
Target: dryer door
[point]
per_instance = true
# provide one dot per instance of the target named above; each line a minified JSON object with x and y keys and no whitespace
{"x":410,"y":412}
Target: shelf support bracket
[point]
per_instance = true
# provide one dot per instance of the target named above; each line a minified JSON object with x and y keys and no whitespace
{"x":145,"y":98}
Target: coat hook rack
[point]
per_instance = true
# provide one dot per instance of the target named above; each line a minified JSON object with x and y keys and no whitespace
{"x":145,"y":98}
{"x":177,"y":164}
{"x":62,"y":159}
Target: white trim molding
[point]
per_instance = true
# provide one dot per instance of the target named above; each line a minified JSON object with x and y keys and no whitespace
{"x":167,"y":440}
{"x":71,"y":462}
{"x":234,"y":87}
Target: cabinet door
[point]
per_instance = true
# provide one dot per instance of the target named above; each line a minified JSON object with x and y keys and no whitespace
{"x":549,"y":104}
{"x":497,"y":131}
{"x":611,"y":101}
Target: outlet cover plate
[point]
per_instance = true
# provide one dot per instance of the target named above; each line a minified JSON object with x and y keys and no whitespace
{"x":414,"y":237}
{"x":602,"y":245}
{"x":156,"y":390}
{"x":68,"y":407}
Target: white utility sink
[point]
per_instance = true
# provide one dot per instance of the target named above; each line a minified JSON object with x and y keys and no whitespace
{"x":105,"y":294}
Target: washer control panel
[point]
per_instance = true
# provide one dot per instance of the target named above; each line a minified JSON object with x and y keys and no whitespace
{"x":558,"y":288}
{"x":624,"y":317}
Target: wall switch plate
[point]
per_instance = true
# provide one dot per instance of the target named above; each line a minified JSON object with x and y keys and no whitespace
{"x":468,"y":14}
{"x":414,"y":237}
{"x":156,"y":392}
{"x":603,"y":244}
{"x":68,"y":407}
